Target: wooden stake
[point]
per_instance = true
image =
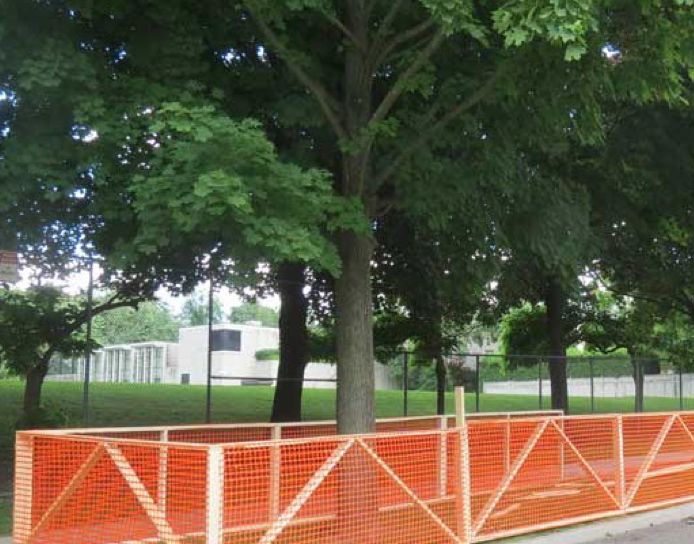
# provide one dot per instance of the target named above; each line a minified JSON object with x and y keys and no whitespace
{"x":163,"y":472}
{"x":620,"y":476}
{"x":23,"y":483}
{"x":275,"y":473}
{"x":464,"y":492}
{"x":215,"y":491}
{"x":443,"y":457}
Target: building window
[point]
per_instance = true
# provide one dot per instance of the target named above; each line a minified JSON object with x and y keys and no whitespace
{"x":158,"y":368}
{"x":125,"y":368}
{"x":226,"y":340}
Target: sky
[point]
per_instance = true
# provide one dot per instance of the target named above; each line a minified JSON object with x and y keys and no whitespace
{"x":79,"y":282}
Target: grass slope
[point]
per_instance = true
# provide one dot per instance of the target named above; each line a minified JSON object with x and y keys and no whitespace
{"x":137,"y":405}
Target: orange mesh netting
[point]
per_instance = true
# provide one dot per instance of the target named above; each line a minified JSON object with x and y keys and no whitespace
{"x":419,"y":480}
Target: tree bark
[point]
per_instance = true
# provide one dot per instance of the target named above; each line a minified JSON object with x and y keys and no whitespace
{"x":554,"y":302}
{"x":639,"y":375}
{"x":354,"y":337}
{"x":291,"y":279}
{"x":32,"y":392}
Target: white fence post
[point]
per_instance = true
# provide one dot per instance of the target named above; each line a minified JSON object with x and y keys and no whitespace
{"x":507,"y":445}
{"x":23,"y":495}
{"x":215,"y":495}
{"x":162,"y":481}
{"x":443,"y":456}
{"x":620,"y":481}
{"x":275,"y":472}
{"x":465,"y":498}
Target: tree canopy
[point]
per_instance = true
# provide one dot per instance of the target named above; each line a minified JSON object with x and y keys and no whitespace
{"x":183,"y":139}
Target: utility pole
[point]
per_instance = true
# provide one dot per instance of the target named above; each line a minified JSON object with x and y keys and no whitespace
{"x":210,"y":323}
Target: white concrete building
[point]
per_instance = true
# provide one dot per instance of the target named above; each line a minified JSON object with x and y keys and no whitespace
{"x":234,"y":361}
{"x":145,"y":362}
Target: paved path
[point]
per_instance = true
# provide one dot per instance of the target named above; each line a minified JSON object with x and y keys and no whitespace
{"x":673,"y":532}
{"x":658,"y":527}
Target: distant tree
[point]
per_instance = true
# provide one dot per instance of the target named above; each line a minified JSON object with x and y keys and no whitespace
{"x":251,"y":311}
{"x":428,"y":284}
{"x":151,"y":321}
{"x":195,"y":311}
{"x":605,"y":324}
{"x":39,"y":323}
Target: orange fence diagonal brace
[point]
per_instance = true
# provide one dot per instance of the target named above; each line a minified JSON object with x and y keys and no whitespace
{"x":303,"y":495}
{"x":141,"y":494}
{"x":74,"y":484}
{"x":676,"y":469}
{"x":506,"y":482}
{"x":419,"y":502}
{"x":686,"y":429}
{"x":646,"y":466}
{"x":585,"y":464}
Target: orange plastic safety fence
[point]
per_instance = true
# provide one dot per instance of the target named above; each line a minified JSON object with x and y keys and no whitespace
{"x":422,"y":480}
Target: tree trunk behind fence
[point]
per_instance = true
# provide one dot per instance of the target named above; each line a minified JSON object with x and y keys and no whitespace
{"x":291,"y":279}
{"x":554,"y":301}
{"x":638,"y":373}
{"x":32,"y":392}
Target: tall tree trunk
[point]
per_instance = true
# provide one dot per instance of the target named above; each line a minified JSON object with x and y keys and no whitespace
{"x":554,"y":301}
{"x":354,"y":338}
{"x":32,"y":393}
{"x":434,"y":349}
{"x":354,"y":325}
{"x":291,"y":278}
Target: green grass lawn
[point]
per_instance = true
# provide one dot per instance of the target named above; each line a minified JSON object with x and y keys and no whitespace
{"x":5,"y":516}
{"x":136,"y":405}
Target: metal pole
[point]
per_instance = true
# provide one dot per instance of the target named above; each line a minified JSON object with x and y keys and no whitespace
{"x":592,"y":387}
{"x":405,"y":381}
{"x":210,"y":323}
{"x":681,"y":384}
{"x":477,"y":385}
{"x":638,"y":397}
{"x":539,"y":377}
{"x":88,"y":351}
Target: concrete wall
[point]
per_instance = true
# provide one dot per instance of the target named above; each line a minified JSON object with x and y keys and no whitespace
{"x":192,"y":353}
{"x":663,"y":385}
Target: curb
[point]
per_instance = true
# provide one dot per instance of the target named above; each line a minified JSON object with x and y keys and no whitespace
{"x":592,"y":532}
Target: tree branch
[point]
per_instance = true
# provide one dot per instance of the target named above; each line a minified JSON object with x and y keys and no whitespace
{"x":387,"y":22}
{"x":380,"y":54}
{"x":327,"y":103}
{"x":112,"y":304}
{"x":427,"y":134}
{"x":399,"y":87}
{"x":346,"y":31}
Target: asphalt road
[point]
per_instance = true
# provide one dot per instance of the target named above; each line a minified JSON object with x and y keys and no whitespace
{"x":668,"y":526}
{"x":676,"y":532}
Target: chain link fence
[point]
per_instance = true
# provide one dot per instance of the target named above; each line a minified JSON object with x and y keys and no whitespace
{"x":595,"y":384}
